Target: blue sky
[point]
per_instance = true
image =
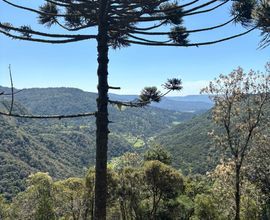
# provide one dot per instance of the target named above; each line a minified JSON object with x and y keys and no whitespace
{"x":132,"y":68}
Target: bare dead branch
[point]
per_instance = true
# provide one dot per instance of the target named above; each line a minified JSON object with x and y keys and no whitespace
{"x":87,"y":114}
{"x":12,"y":90}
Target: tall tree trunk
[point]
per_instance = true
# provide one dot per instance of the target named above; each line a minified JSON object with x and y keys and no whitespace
{"x":102,"y":115}
{"x":237,"y":191}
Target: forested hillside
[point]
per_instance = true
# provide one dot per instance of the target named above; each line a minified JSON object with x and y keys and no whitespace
{"x":66,"y":147}
{"x":190,"y":144}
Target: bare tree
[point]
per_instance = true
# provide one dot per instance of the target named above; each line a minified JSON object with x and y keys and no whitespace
{"x":121,"y":23}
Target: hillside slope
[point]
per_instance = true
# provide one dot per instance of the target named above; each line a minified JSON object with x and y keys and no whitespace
{"x":190,"y":145}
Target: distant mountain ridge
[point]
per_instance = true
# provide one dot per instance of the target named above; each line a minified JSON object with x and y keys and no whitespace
{"x":192,"y":98}
{"x":183,"y":106}
{"x":191,"y":103}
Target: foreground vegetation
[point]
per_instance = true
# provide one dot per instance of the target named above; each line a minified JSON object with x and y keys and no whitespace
{"x":140,"y":188}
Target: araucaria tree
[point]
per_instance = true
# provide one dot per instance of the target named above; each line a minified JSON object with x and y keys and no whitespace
{"x":120,"y":23}
{"x":241,"y":102}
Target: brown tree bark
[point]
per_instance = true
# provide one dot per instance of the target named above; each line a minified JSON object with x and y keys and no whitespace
{"x":237,"y":191}
{"x":102,"y":115}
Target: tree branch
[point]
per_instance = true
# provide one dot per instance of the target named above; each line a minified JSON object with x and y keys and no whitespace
{"x":43,"y":34}
{"x":187,"y":31}
{"x":192,"y":44}
{"x":33,"y":10}
{"x":43,"y":40}
{"x":49,"y":116}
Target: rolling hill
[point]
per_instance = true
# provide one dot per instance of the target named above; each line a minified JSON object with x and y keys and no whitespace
{"x":66,"y":148}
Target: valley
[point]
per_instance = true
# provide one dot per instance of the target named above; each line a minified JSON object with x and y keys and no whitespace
{"x":66,"y":147}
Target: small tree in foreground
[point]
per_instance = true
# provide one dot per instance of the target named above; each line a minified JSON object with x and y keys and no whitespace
{"x":36,"y":202}
{"x":163,"y":183}
{"x":241,"y":101}
{"x":120,"y":23}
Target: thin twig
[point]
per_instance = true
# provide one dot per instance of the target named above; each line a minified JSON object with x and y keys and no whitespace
{"x":12,"y":90}
{"x":14,"y":93}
